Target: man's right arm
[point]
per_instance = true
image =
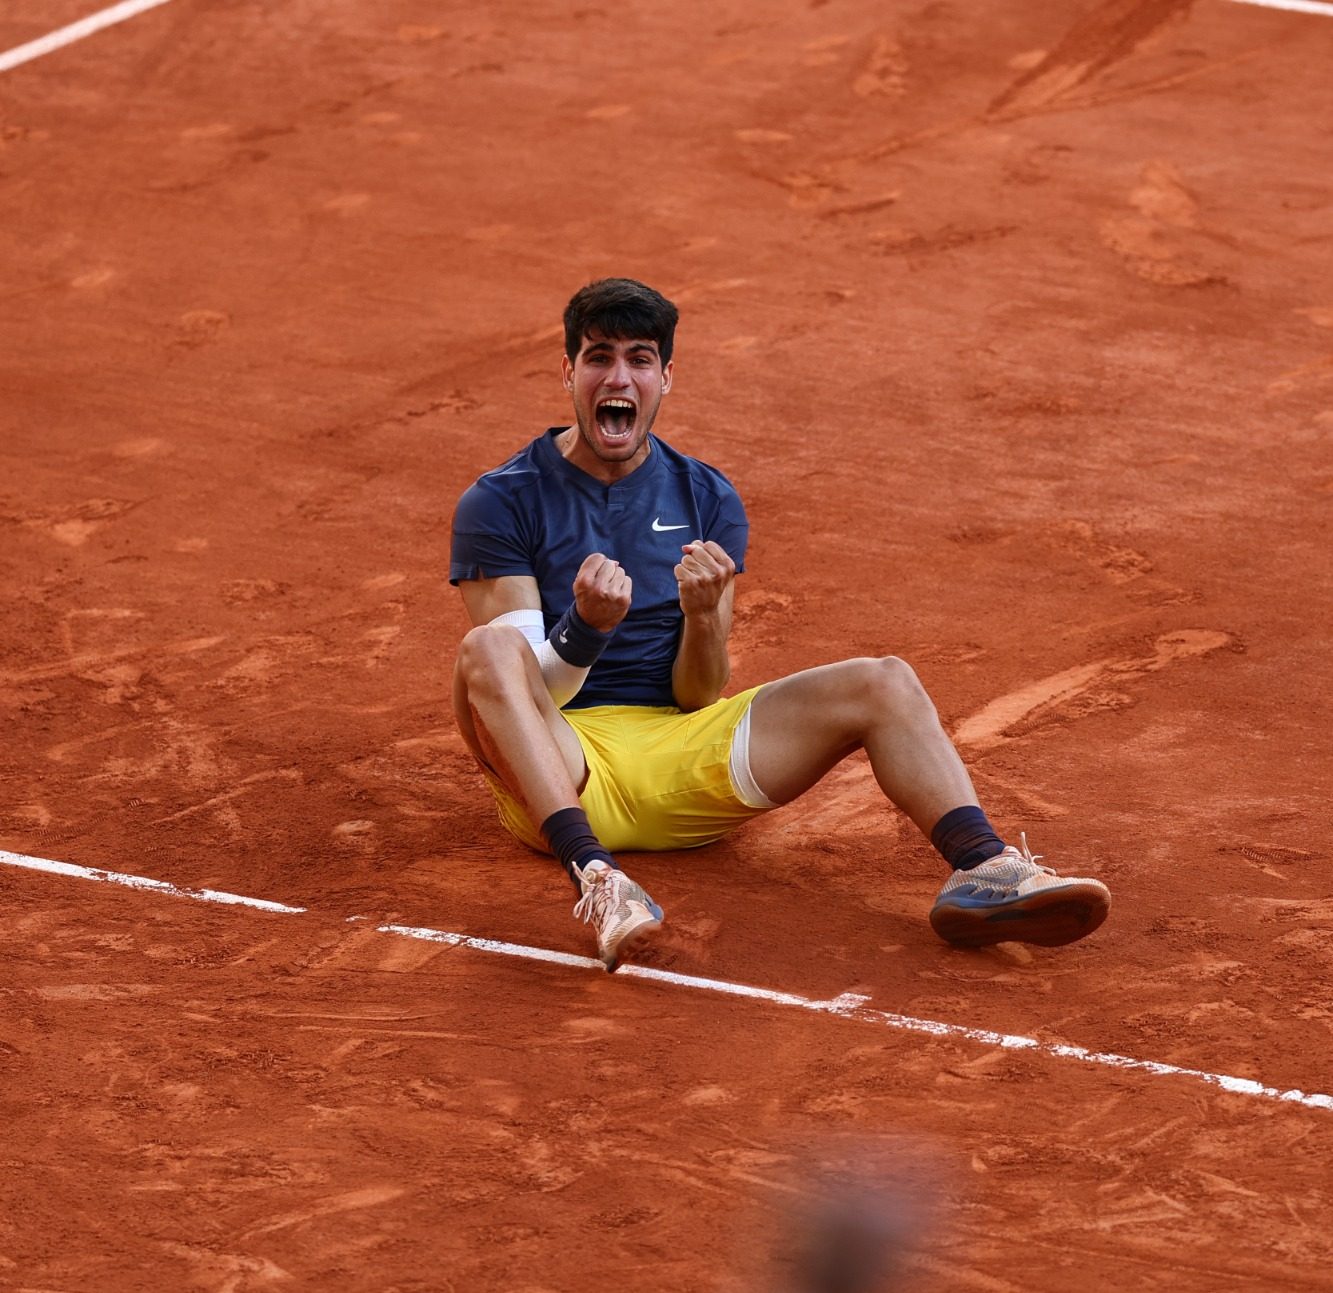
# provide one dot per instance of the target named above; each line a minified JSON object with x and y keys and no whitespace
{"x":484,"y":599}
{"x":602,"y":592}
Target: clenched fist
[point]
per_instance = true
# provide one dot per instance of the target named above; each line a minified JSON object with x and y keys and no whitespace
{"x":705,"y":572}
{"x":602,"y":592}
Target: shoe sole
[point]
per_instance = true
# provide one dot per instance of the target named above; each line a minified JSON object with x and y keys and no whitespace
{"x":1049,"y":918}
{"x":634,"y":941}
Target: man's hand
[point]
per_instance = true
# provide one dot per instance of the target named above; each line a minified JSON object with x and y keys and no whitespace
{"x":602,"y":592}
{"x":704,"y":574}
{"x":706,"y":577}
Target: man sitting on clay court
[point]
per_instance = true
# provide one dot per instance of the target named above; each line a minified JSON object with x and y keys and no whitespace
{"x":598,"y":567}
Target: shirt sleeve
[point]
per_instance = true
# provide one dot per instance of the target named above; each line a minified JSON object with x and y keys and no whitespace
{"x":729,"y":527}
{"x":489,"y":539}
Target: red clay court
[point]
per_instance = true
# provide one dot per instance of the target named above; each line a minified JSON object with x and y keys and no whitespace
{"x":1013,"y":324}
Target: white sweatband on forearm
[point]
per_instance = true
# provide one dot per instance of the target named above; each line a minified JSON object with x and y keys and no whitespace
{"x":562,"y":679}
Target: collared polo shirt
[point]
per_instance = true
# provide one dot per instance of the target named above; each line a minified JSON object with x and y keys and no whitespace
{"x":540,"y":515}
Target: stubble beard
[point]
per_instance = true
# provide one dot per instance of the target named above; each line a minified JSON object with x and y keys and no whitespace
{"x":590,"y":438}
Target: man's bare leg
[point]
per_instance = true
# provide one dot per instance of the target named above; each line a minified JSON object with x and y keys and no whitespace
{"x":510,"y":723}
{"x":802,"y":726}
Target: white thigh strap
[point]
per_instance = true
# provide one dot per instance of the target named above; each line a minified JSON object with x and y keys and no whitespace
{"x":742,"y":779}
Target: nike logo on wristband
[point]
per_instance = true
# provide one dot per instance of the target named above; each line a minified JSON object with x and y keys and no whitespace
{"x":659,"y":527}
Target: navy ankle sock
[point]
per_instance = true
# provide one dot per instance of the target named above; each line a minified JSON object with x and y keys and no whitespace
{"x":571,"y":839}
{"x":965,"y":838}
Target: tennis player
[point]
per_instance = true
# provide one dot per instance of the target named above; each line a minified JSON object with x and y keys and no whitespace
{"x":598,"y":568}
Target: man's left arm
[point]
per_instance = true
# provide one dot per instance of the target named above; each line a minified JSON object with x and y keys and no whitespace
{"x":706,"y":577}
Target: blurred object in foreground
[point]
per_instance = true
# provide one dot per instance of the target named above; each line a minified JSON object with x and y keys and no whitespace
{"x":857,"y":1228}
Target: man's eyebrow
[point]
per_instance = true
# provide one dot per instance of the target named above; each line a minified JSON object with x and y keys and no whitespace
{"x":650,"y":346}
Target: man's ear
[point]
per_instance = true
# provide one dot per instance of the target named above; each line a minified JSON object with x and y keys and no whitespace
{"x":667,"y":370}
{"x":567,"y":372}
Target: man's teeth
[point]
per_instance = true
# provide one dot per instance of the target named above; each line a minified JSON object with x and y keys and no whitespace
{"x":616,"y":418}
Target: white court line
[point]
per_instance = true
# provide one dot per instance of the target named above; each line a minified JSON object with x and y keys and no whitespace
{"x":75,"y":31}
{"x":143,"y":882}
{"x":846,"y":1006}
{"x":851,"y":1006}
{"x":1295,"y":6}
{"x":117,"y":13}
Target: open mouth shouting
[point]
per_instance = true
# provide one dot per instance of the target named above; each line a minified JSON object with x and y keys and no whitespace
{"x":616,"y":419}
{"x":617,"y":385}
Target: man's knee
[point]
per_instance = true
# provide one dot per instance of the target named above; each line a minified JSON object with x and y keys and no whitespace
{"x":890,"y":684}
{"x":491,"y":653}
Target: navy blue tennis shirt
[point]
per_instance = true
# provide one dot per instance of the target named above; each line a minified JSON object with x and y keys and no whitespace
{"x":540,"y":515}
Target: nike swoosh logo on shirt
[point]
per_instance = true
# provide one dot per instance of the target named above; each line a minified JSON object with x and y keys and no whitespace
{"x":659,"y":527}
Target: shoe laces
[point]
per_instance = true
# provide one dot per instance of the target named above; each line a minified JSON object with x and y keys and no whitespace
{"x":1025,"y":854}
{"x":600,"y":898}
{"x":1028,"y":854}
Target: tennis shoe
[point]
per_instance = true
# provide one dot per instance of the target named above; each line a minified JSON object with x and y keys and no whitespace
{"x":623,"y":915}
{"x":1010,"y":899}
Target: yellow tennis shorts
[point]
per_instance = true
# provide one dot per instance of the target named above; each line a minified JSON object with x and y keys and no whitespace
{"x":658,"y":778}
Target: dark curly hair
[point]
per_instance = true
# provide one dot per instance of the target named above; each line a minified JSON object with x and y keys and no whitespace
{"x":620,"y":308}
